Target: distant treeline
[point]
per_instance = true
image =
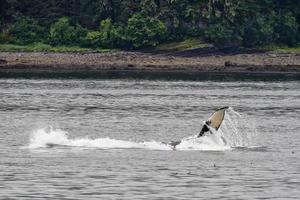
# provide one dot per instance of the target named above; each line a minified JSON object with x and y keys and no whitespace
{"x":143,"y":23}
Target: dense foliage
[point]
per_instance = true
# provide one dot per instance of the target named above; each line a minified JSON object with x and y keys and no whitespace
{"x":145,"y":31}
{"x":63,"y":32}
{"x":144,"y":23}
{"x":26,"y":31}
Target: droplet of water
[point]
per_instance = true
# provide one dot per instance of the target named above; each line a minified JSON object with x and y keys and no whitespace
{"x":238,"y":129}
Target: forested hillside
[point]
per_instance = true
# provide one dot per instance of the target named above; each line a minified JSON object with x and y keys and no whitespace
{"x":132,"y":24}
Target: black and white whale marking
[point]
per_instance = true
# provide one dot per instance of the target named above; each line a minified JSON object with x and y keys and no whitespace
{"x":214,"y":121}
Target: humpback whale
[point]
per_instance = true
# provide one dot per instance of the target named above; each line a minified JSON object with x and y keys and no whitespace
{"x":214,"y":121}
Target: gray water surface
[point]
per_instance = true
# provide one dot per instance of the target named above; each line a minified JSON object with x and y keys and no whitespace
{"x":143,"y":110}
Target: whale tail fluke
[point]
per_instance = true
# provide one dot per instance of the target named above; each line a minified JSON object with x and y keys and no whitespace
{"x":214,"y":121}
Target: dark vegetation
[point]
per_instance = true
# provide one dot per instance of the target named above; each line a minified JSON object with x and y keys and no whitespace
{"x":132,"y":24}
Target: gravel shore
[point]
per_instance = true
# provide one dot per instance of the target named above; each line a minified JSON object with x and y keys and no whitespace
{"x":149,"y":62}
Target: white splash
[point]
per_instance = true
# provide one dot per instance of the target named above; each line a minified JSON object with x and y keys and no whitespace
{"x":238,"y":130}
{"x":234,"y":132}
{"x":48,"y":137}
{"x":210,"y":142}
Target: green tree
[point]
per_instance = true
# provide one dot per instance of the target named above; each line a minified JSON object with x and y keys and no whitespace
{"x":287,"y":29}
{"x":63,"y":32}
{"x":143,"y":31}
{"x":222,"y":34}
{"x":245,"y":22}
{"x":93,"y":39}
{"x":26,"y":30}
{"x":258,"y":31}
{"x":108,"y":36}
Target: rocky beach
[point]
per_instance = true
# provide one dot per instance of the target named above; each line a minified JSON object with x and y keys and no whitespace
{"x":121,"y":61}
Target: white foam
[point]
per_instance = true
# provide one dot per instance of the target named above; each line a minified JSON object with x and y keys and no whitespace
{"x":232,"y":133}
{"x":49,"y":136}
{"x":46,"y":137}
{"x":210,"y":142}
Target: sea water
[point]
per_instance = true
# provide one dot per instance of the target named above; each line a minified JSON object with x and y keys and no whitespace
{"x":108,"y":139}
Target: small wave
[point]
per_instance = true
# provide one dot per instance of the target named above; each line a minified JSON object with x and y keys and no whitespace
{"x":253,"y":148}
{"x":50,"y":137}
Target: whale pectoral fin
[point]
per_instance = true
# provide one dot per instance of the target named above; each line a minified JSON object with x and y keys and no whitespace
{"x":174,"y":143}
{"x":50,"y":145}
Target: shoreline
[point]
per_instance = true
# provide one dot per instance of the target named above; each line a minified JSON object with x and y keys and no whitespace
{"x":141,"y":62}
